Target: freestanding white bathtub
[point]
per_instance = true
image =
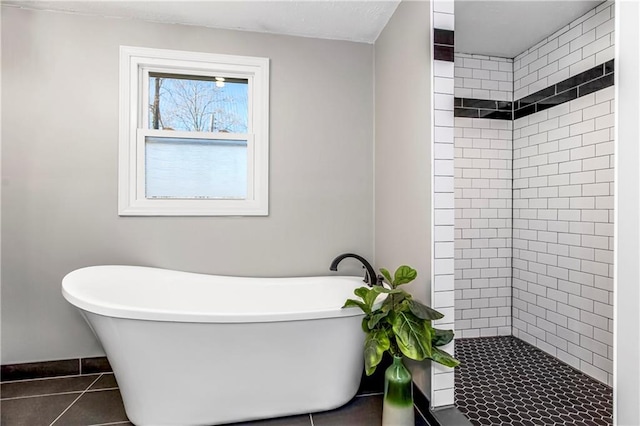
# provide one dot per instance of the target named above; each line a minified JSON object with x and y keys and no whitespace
{"x":193,"y":349}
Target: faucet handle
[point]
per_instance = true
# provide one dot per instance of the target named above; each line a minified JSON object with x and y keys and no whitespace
{"x":366,"y":277}
{"x":374,"y":280}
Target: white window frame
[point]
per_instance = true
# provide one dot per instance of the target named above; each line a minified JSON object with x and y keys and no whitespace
{"x":135,"y":65}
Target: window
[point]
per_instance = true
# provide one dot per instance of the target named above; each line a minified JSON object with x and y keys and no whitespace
{"x":193,"y":134}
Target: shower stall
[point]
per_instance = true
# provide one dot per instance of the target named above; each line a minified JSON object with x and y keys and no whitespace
{"x":533,"y":188}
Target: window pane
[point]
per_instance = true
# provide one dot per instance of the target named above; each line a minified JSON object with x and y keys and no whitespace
{"x":195,"y":168}
{"x":198,"y":104}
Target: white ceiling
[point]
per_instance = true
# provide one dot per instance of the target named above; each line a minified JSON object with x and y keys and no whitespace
{"x":359,"y":21}
{"x":508,"y":28}
{"x":498,"y":28}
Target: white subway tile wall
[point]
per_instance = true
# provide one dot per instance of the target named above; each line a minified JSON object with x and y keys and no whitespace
{"x":483,"y":175}
{"x":483,"y":199}
{"x":483,"y":77}
{"x":443,"y":296}
{"x":563,"y":232}
{"x":584,"y":43}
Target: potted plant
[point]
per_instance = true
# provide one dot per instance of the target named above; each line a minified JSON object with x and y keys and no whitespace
{"x":400,"y":326}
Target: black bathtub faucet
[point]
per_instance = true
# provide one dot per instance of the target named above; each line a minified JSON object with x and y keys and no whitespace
{"x":370,"y":276}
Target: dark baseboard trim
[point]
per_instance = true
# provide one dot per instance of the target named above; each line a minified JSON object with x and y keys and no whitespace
{"x":446,"y":416}
{"x":46,"y":369}
{"x":422,"y":403}
{"x":450,"y":416}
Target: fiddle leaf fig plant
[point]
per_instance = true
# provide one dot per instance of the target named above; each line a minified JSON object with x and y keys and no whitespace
{"x":399,"y":325}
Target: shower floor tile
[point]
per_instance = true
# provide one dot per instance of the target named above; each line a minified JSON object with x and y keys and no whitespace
{"x":505,"y":381}
{"x":94,"y":400}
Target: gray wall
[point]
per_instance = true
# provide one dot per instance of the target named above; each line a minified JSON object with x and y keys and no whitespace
{"x":403,"y":149}
{"x":59,"y":154}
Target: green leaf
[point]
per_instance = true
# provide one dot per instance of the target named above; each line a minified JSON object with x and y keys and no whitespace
{"x":441,"y":337}
{"x":381,"y":289}
{"x":404,"y":274}
{"x":386,"y":275}
{"x":368,"y":296}
{"x":398,"y":297}
{"x":413,"y":335}
{"x":375,"y":318}
{"x":361,"y":292}
{"x":374,"y":292}
{"x":350,"y":303}
{"x":423,"y":311}
{"x":364,"y":324}
{"x":375,"y":344}
{"x":441,"y":357}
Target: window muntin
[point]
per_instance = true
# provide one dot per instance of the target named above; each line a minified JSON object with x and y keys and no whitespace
{"x":196,"y":140}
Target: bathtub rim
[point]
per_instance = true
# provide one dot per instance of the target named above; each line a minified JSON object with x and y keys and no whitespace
{"x":144,"y":314}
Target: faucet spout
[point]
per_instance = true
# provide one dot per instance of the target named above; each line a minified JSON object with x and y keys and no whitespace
{"x":370,"y":276}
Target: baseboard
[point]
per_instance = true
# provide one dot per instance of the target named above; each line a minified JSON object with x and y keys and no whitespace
{"x":45,"y":369}
{"x":446,"y":416}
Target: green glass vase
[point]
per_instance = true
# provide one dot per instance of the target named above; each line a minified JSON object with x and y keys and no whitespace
{"x":397,"y":406}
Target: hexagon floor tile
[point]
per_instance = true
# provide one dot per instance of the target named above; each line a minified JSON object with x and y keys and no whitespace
{"x":505,"y":381}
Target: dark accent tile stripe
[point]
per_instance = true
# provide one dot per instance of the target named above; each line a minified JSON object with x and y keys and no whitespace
{"x":478,"y":103}
{"x":558,"y":99}
{"x":443,"y":53}
{"x":443,"y":37}
{"x":65,"y":367}
{"x":443,"y":45}
{"x":482,"y":108}
{"x":485,"y":104}
{"x":466,"y":112}
{"x":582,"y":84}
{"x":535,"y":97}
{"x":595,"y":85}
{"x":519,"y":113}
{"x":495,"y":115}
{"x":581,"y":78}
{"x":608,"y":67}
{"x":505,"y":105}
{"x":589,"y":81}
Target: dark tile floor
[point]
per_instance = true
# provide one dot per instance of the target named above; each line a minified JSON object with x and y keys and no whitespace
{"x":94,"y":400}
{"x":505,"y":381}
